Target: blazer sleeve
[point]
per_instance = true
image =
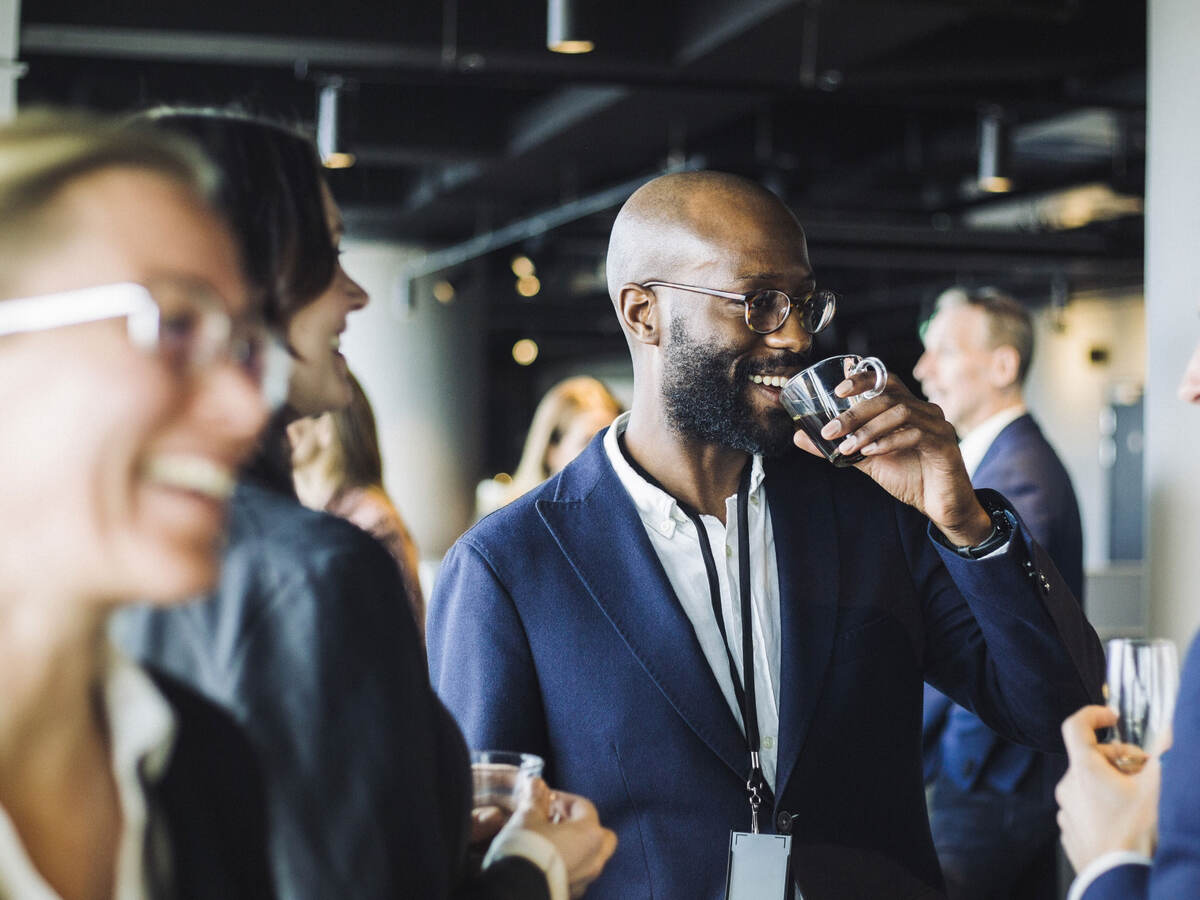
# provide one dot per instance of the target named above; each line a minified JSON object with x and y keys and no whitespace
{"x":480,"y":660}
{"x":1019,"y":652}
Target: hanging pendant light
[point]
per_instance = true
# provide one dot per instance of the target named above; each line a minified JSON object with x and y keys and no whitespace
{"x":329,"y":126}
{"x":563,"y":28}
{"x":993,"y":152}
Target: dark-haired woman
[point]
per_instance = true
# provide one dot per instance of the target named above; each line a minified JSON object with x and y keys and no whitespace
{"x":308,"y":640}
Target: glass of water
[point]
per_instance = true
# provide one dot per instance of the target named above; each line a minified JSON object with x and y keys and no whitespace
{"x":1143,"y":679}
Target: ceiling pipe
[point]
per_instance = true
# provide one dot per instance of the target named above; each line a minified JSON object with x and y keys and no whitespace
{"x":522,"y":229}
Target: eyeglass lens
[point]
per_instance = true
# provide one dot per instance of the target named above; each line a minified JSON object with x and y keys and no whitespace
{"x":195,"y":331}
{"x":767,"y":310}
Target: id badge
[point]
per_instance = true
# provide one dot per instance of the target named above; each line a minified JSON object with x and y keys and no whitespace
{"x":759,"y":867}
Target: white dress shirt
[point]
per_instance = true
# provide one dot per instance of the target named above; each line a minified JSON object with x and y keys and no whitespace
{"x":676,"y":543}
{"x":142,"y":731}
{"x":976,"y":443}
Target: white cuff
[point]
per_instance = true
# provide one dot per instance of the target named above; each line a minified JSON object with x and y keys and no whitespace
{"x":1102,"y":864}
{"x":535,"y":848}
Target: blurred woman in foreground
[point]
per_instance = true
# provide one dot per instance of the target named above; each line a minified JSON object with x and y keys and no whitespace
{"x":129,"y":394}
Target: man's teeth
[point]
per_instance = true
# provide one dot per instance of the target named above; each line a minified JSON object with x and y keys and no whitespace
{"x":191,"y":473}
{"x":775,"y":381}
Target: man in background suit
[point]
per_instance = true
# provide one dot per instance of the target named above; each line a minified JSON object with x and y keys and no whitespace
{"x":1111,"y":821}
{"x":587,"y":621}
{"x":992,"y":808}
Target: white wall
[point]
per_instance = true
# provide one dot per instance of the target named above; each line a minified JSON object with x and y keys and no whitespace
{"x":418,"y":369}
{"x":1172,"y":292}
{"x":1066,"y":393}
{"x":10,"y":21}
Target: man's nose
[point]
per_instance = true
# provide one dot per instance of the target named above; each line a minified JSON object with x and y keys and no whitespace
{"x":790,"y":336}
{"x":921,"y":369}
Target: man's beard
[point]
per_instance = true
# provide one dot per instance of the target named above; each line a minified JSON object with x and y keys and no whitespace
{"x":706,"y":395}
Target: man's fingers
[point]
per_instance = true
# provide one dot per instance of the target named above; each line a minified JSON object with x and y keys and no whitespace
{"x":575,"y":808}
{"x":804,"y":442}
{"x":1079,"y":730}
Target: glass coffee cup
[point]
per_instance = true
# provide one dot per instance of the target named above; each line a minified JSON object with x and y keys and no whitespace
{"x":809,"y":399}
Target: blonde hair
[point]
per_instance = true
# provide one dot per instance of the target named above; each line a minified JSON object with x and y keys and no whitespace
{"x":44,"y":151}
{"x":558,"y":408}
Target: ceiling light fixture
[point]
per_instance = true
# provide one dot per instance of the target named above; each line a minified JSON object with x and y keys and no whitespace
{"x":525,"y":352}
{"x":528,"y":285}
{"x":522,"y":266}
{"x":993,"y":152}
{"x":329,"y":126}
{"x":563,"y":28}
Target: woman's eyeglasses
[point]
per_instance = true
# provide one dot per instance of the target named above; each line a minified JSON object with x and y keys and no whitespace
{"x":184,"y":322}
{"x":767,"y":310}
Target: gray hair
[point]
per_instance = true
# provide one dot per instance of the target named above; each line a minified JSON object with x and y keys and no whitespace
{"x":1008,"y":321}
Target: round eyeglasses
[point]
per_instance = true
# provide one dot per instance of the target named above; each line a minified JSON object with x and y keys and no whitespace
{"x":767,"y":310}
{"x":184,"y":322}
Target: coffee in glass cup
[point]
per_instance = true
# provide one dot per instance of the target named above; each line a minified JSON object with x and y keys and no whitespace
{"x":809,"y":399}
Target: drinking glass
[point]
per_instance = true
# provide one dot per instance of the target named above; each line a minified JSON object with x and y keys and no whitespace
{"x":500,"y":777}
{"x":1143,"y":679}
{"x":810,"y":401}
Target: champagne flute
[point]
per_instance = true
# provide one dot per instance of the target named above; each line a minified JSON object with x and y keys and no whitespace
{"x":1143,"y":679}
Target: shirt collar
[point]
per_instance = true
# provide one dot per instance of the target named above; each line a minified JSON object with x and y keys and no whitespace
{"x":974,"y":446}
{"x":140,"y":720}
{"x":656,"y":508}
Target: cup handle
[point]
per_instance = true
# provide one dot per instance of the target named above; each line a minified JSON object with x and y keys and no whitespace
{"x":880,"y":370}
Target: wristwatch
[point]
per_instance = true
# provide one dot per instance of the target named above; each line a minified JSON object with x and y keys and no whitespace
{"x":1001,"y":534}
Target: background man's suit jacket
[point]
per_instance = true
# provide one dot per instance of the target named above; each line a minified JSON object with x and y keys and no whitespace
{"x":554,"y":629}
{"x":1023,"y":467}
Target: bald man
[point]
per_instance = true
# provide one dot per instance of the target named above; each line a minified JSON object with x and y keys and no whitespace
{"x":598,"y":621}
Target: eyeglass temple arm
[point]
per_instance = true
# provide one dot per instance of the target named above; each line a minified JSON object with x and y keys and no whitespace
{"x":94,"y":304}
{"x":728,"y":295}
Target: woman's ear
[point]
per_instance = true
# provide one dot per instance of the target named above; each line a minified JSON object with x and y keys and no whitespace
{"x":637,"y":308}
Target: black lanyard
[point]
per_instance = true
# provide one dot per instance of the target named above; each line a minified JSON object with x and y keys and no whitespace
{"x":743,"y":692}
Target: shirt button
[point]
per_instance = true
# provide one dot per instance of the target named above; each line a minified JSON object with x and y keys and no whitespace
{"x":728,"y":550}
{"x":768,"y":743}
{"x":754,"y":499}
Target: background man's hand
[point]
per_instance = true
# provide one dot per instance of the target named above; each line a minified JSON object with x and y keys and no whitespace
{"x":912,"y":453}
{"x":1101,"y":808}
{"x":571,"y":823}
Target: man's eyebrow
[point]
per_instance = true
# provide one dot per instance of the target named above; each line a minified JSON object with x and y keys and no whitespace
{"x":769,"y":276}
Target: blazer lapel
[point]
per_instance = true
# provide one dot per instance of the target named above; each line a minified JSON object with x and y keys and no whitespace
{"x":800,"y":498}
{"x":598,"y":529}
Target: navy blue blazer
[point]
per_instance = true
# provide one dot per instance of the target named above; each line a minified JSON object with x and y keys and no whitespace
{"x":1022,"y":466}
{"x":554,"y":629}
{"x":1176,"y":870}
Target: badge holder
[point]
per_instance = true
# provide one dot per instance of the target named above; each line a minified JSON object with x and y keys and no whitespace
{"x":759,"y":865}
